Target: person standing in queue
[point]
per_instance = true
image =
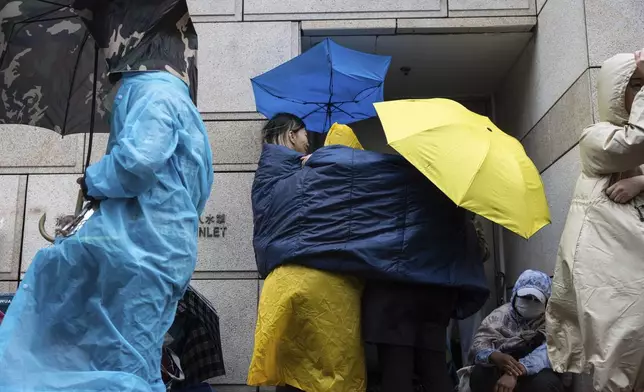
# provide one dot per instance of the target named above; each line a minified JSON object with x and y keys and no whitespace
{"x":596,"y":313}
{"x":307,"y":336}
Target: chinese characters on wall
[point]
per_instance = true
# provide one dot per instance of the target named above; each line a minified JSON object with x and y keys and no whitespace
{"x":213,"y":226}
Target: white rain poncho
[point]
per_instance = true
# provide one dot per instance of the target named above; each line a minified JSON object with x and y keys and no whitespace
{"x":595,"y":316}
{"x":92,"y":310}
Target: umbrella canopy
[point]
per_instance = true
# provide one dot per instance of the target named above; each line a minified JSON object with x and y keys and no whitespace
{"x":473,"y":162}
{"x":197,"y":340}
{"x":326,"y":84}
{"x":144,"y":35}
{"x":48,"y":61}
{"x":51,"y":52}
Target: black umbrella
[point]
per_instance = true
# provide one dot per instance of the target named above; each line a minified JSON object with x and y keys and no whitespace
{"x":60,"y":59}
{"x":51,"y":51}
{"x":49,"y":60}
{"x":196,"y":339}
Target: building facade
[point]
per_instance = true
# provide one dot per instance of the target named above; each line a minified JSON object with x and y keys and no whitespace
{"x":529,"y":64}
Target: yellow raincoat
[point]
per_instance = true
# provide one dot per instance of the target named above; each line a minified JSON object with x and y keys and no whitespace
{"x":308,"y":324}
{"x":595,"y":317}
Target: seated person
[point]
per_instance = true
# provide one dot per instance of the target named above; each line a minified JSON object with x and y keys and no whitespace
{"x":509,"y":350}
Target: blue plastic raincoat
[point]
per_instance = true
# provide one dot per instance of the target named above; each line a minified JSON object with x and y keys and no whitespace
{"x":92,"y":310}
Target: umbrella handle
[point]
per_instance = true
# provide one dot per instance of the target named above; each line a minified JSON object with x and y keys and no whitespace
{"x":43,"y":219}
{"x":80,"y":199}
{"x":41,"y":228}
{"x":177,"y":364}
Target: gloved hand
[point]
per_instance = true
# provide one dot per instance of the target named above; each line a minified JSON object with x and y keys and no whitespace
{"x":81,"y":182}
{"x":639,"y":61}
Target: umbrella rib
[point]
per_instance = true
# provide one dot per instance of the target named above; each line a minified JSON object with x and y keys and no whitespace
{"x":327,"y":120}
{"x":320,"y":107}
{"x":374,"y":88}
{"x":23,"y":23}
{"x":93,"y":112}
{"x":36,"y":18}
{"x":339,"y":109}
{"x":28,"y":21}
{"x":316,"y":102}
{"x":71,"y":85}
{"x":54,"y":3}
{"x":334,"y":108}
{"x":285,"y":98}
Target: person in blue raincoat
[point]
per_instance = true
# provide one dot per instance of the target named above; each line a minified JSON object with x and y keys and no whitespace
{"x":92,"y":310}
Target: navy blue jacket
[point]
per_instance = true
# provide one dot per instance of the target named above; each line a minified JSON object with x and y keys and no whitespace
{"x":364,"y":213}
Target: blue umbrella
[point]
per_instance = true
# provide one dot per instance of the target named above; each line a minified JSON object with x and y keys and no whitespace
{"x":328,"y":83}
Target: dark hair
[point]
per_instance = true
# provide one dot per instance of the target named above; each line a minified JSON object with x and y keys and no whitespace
{"x":276,"y":129}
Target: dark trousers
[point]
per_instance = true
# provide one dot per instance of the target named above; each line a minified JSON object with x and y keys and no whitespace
{"x":400,"y":363}
{"x":483,"y":379}
{"x":408,"y":324}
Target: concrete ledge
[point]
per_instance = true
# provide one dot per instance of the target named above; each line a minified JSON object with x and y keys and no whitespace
{"x":215,"y":11}
{"x":479,"y":8}
{"x":235,"y":167}
{"x":349,"y":27}
{"x":225,"y":275}
{"x":224,"y":116}
{"x":510,"y":24}
{"x":285,"y":10}
{"x":345,"y":15}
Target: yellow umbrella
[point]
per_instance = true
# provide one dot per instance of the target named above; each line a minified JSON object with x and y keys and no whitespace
{"x":472,"y":161}
{"x":342,"y":134}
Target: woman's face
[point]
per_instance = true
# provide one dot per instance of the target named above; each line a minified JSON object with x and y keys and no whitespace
{"x":299,"y":141}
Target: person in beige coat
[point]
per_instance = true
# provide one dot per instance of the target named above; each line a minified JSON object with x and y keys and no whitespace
{"x":595,"y":317}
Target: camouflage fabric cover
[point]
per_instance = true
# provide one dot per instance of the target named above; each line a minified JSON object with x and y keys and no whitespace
{"x":48,"y":56}
{"x":47,"y":63}
{"x":144,"y":35}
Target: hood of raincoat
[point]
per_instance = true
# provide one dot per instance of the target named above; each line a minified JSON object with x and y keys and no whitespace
{"x":531,"y":279}
{"x":144,"y":35}
{"x":612,"y":81}
{"x":364,"y":213}
{"x":343,"y":135}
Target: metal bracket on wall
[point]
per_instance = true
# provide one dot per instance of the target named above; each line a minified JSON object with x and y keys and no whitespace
{"x":500,"y":283}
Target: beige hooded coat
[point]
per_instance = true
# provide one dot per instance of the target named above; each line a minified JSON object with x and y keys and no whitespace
{"x":595,"y":317}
